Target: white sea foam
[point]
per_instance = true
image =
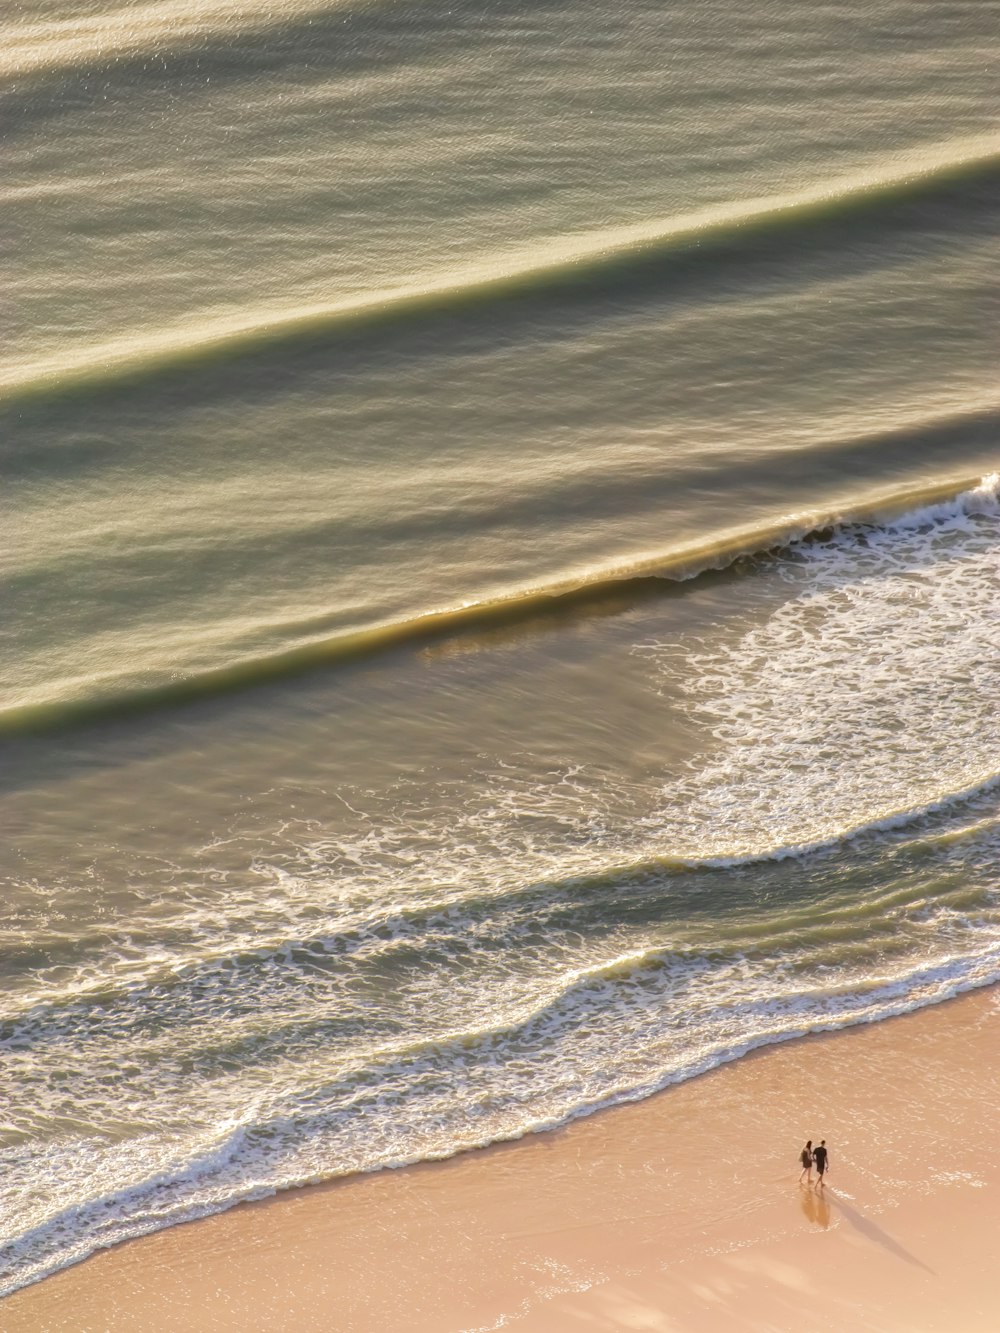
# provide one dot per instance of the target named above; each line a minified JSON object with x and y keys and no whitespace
{"x":408,"y":989}
{"x":867,"y":698}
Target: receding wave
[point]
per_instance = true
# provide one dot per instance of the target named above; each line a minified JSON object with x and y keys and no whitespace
{"x":150,"y":966}
{"x":296,"y":1140}
{"x":624,"y":584}
{"x":545,"y":268}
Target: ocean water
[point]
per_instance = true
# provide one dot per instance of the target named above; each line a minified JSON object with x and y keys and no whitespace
{"x":502,"y":567}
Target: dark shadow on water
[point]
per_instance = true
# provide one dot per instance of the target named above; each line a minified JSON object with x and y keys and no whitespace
{"x":875,"y":1233}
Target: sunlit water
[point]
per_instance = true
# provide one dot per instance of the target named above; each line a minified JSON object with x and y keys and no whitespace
{"x":503,"y":562}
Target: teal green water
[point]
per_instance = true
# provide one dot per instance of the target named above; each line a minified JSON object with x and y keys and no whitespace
{"x":503,"y":547}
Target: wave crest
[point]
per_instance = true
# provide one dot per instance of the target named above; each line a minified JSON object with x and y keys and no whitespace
{"x":940,"y":504}
{"x":604,"y":255}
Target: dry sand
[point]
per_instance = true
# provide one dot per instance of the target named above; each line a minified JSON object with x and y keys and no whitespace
{"x":678,"y":1214}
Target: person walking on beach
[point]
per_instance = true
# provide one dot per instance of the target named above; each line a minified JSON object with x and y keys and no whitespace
{"x":820,"y":1156}
{"x":806,"y":1158}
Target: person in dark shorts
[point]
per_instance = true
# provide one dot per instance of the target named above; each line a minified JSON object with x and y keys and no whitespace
{"x":806,"y":1158}
{"x":821,"y":1158}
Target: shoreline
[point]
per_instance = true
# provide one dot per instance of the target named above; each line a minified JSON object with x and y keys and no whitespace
{"x":678,"y":1212}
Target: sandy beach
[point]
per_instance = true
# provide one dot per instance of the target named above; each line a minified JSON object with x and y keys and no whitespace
{"x":499,"y":670}
{"x":681,"y":1212}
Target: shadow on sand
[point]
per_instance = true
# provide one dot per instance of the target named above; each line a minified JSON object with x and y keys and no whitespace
{"x":875,"y":1233}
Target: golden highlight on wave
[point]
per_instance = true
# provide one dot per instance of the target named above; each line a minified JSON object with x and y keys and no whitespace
{"x":49,"y":46}
{"x":652,"y":575}
{"x":545,"y":267}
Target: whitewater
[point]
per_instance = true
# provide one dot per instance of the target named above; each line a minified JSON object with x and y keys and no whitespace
{"x":503,"y":548}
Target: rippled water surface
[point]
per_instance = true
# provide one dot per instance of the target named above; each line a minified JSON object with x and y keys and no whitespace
{"x":504,"y":549}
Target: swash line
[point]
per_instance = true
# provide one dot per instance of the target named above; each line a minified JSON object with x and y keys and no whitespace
{"x":130,"y":1227}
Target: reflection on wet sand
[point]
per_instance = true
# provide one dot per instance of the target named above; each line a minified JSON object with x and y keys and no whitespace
{"x":815,"y":1205}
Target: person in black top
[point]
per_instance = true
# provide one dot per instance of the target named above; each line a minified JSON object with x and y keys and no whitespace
{"x":820,"y":1157}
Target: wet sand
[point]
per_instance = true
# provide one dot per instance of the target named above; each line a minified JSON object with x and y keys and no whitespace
{"x":679,"y":1213}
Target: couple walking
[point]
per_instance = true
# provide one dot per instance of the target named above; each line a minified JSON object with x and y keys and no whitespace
{"x":810,"y":1157}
